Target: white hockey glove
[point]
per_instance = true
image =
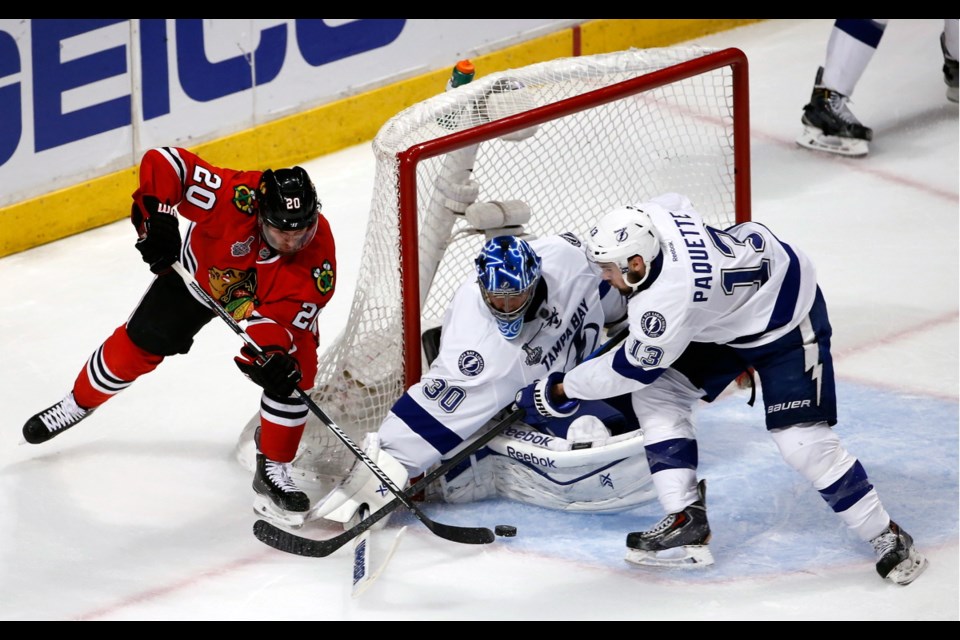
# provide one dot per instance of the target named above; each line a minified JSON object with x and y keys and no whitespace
{"x":539,"y":403}
{"x":361,"y":486}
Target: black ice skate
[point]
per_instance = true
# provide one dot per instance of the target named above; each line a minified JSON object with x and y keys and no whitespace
{"x":278,"y":498}
{"x":679,"y":540}
{"x":949,"y":71}
{"x":829,"y":125}
{"x":54,"y":420}
{"x":897,"y":558}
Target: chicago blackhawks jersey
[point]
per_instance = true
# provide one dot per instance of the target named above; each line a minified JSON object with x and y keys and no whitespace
{"x":224,"y":249}
{"x":740,"y":286}
{"x":478,"y":372}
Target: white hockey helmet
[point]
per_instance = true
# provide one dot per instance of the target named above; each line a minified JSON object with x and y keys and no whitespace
{"x":620,"y":234}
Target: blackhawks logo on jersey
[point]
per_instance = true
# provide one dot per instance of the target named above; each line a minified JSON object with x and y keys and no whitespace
{"x":324,"y":278}
{"x":235,"y":290}
{"x":243,"y":198}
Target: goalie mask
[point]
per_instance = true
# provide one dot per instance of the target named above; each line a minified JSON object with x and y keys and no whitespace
{"x":621,"y":234}
{"x":288,"y":209}
{"x":508,"y":271}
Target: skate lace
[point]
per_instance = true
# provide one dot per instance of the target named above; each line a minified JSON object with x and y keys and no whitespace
{"x":838,"y":105}
{"x":884,"y":543}
{"x":662,"y":526}
{"x":62,"y":414}
{"x":279,"y":475}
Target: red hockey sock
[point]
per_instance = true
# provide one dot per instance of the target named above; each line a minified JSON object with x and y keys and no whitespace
{"x":112,"y":368}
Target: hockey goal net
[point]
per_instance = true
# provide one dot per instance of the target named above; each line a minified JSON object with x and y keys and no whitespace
{"x":571,"y":138}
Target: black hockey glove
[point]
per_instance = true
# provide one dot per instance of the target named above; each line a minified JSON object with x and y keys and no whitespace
{"x":279,"y":374}
{"x":160,"y":242}
{"x":540,"y":404}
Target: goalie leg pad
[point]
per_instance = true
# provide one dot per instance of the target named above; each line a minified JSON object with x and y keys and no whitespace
{"x":361,"y":486}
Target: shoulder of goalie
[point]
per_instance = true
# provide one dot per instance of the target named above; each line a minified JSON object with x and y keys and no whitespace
{"x":362,"y":486}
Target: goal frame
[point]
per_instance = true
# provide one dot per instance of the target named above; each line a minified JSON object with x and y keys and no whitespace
{"x":410,"y":159}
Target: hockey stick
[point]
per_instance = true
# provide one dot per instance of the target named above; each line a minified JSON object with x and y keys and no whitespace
{"x":463,"y":535}
{"x":278,"y":538}
{"x":362,"y":577}
{"x":283,"y":540}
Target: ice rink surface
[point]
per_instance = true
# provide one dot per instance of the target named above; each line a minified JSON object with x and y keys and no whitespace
{"x":142,"y":513}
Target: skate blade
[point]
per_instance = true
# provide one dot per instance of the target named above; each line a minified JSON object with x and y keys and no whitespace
{"x":264,"y":506}
{"x":908,"y":570}
{"x":690,"y":556}
{"x":813,"y":138}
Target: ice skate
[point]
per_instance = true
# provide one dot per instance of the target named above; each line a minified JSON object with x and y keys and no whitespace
{"x":829,"y":125}
{"x":949,"y":72}
{"x":679,"y":540}
{"x":897,"y":559}
{"x":54,"y":420}
{"x":277,"y":497}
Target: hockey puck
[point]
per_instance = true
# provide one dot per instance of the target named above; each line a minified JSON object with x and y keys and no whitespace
{"x":505,"y":530}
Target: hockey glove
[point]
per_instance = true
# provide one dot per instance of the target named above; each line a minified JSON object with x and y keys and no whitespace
{"x":278,"y":374}
{"x":159,"y":243}
{"x":540,"y":404}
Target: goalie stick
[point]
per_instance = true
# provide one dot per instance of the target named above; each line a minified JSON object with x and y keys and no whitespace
{"x":362,"y":577}
{"x":463,"y":535}
{"x":288,"y":542}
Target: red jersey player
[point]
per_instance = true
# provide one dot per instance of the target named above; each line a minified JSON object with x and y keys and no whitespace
{"x":258,"y":244}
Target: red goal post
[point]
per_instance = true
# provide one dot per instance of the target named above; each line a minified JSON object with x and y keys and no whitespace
{"x":568,"y":138}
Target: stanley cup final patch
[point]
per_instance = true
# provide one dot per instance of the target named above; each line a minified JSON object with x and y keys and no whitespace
{"x":653,"y":324}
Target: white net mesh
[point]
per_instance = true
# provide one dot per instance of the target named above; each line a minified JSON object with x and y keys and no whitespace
{"x":569,"y":169}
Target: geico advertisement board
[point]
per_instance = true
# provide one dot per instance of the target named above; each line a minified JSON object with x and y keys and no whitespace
{"x":83,"y":97}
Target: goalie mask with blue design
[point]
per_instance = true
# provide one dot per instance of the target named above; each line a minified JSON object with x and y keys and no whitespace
{"x":508,"y":271}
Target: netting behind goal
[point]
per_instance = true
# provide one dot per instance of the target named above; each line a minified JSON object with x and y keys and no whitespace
{"x":571,"y":138}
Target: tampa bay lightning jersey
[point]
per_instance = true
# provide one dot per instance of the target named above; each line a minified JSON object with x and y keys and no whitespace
{"x":478,"y":372}
{"x":739,"y":286}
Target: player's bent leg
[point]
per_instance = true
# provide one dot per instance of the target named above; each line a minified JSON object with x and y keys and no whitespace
{"x":680,"y":539}
{"x":113,"y":367}
{"x":277,"y":496}
{"x":815,"y":451}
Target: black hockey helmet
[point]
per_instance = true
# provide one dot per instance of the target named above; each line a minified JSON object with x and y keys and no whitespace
{"x":288,"y":209}
{"x":287,"y":199}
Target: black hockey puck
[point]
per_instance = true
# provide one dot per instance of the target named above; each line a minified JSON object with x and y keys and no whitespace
{"x":505,"y":530}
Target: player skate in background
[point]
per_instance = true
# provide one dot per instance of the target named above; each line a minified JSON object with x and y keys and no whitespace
{"x":531,"y":308}
{"x":704,"y":305}
{"x":259,"y":245}
{"x":828,"y":123}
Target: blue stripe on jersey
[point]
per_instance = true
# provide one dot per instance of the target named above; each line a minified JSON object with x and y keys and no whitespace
{"x":622,"y":366}
{"x":789,"y":292}
{"x":786,"y":303}
{"x":866,"y":31}
{"x":425,"y":425}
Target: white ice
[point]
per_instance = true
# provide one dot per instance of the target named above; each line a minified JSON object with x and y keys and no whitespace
{"x":141,"y":513}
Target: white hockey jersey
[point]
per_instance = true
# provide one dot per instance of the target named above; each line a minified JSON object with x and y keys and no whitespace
{"x":740,"y":286}
{"x":478,"y":372}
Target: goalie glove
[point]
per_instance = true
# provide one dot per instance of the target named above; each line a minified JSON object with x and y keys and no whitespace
{"x":278,"y":374}
{"x":159,"y":234}
{"x":541,"y":405}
